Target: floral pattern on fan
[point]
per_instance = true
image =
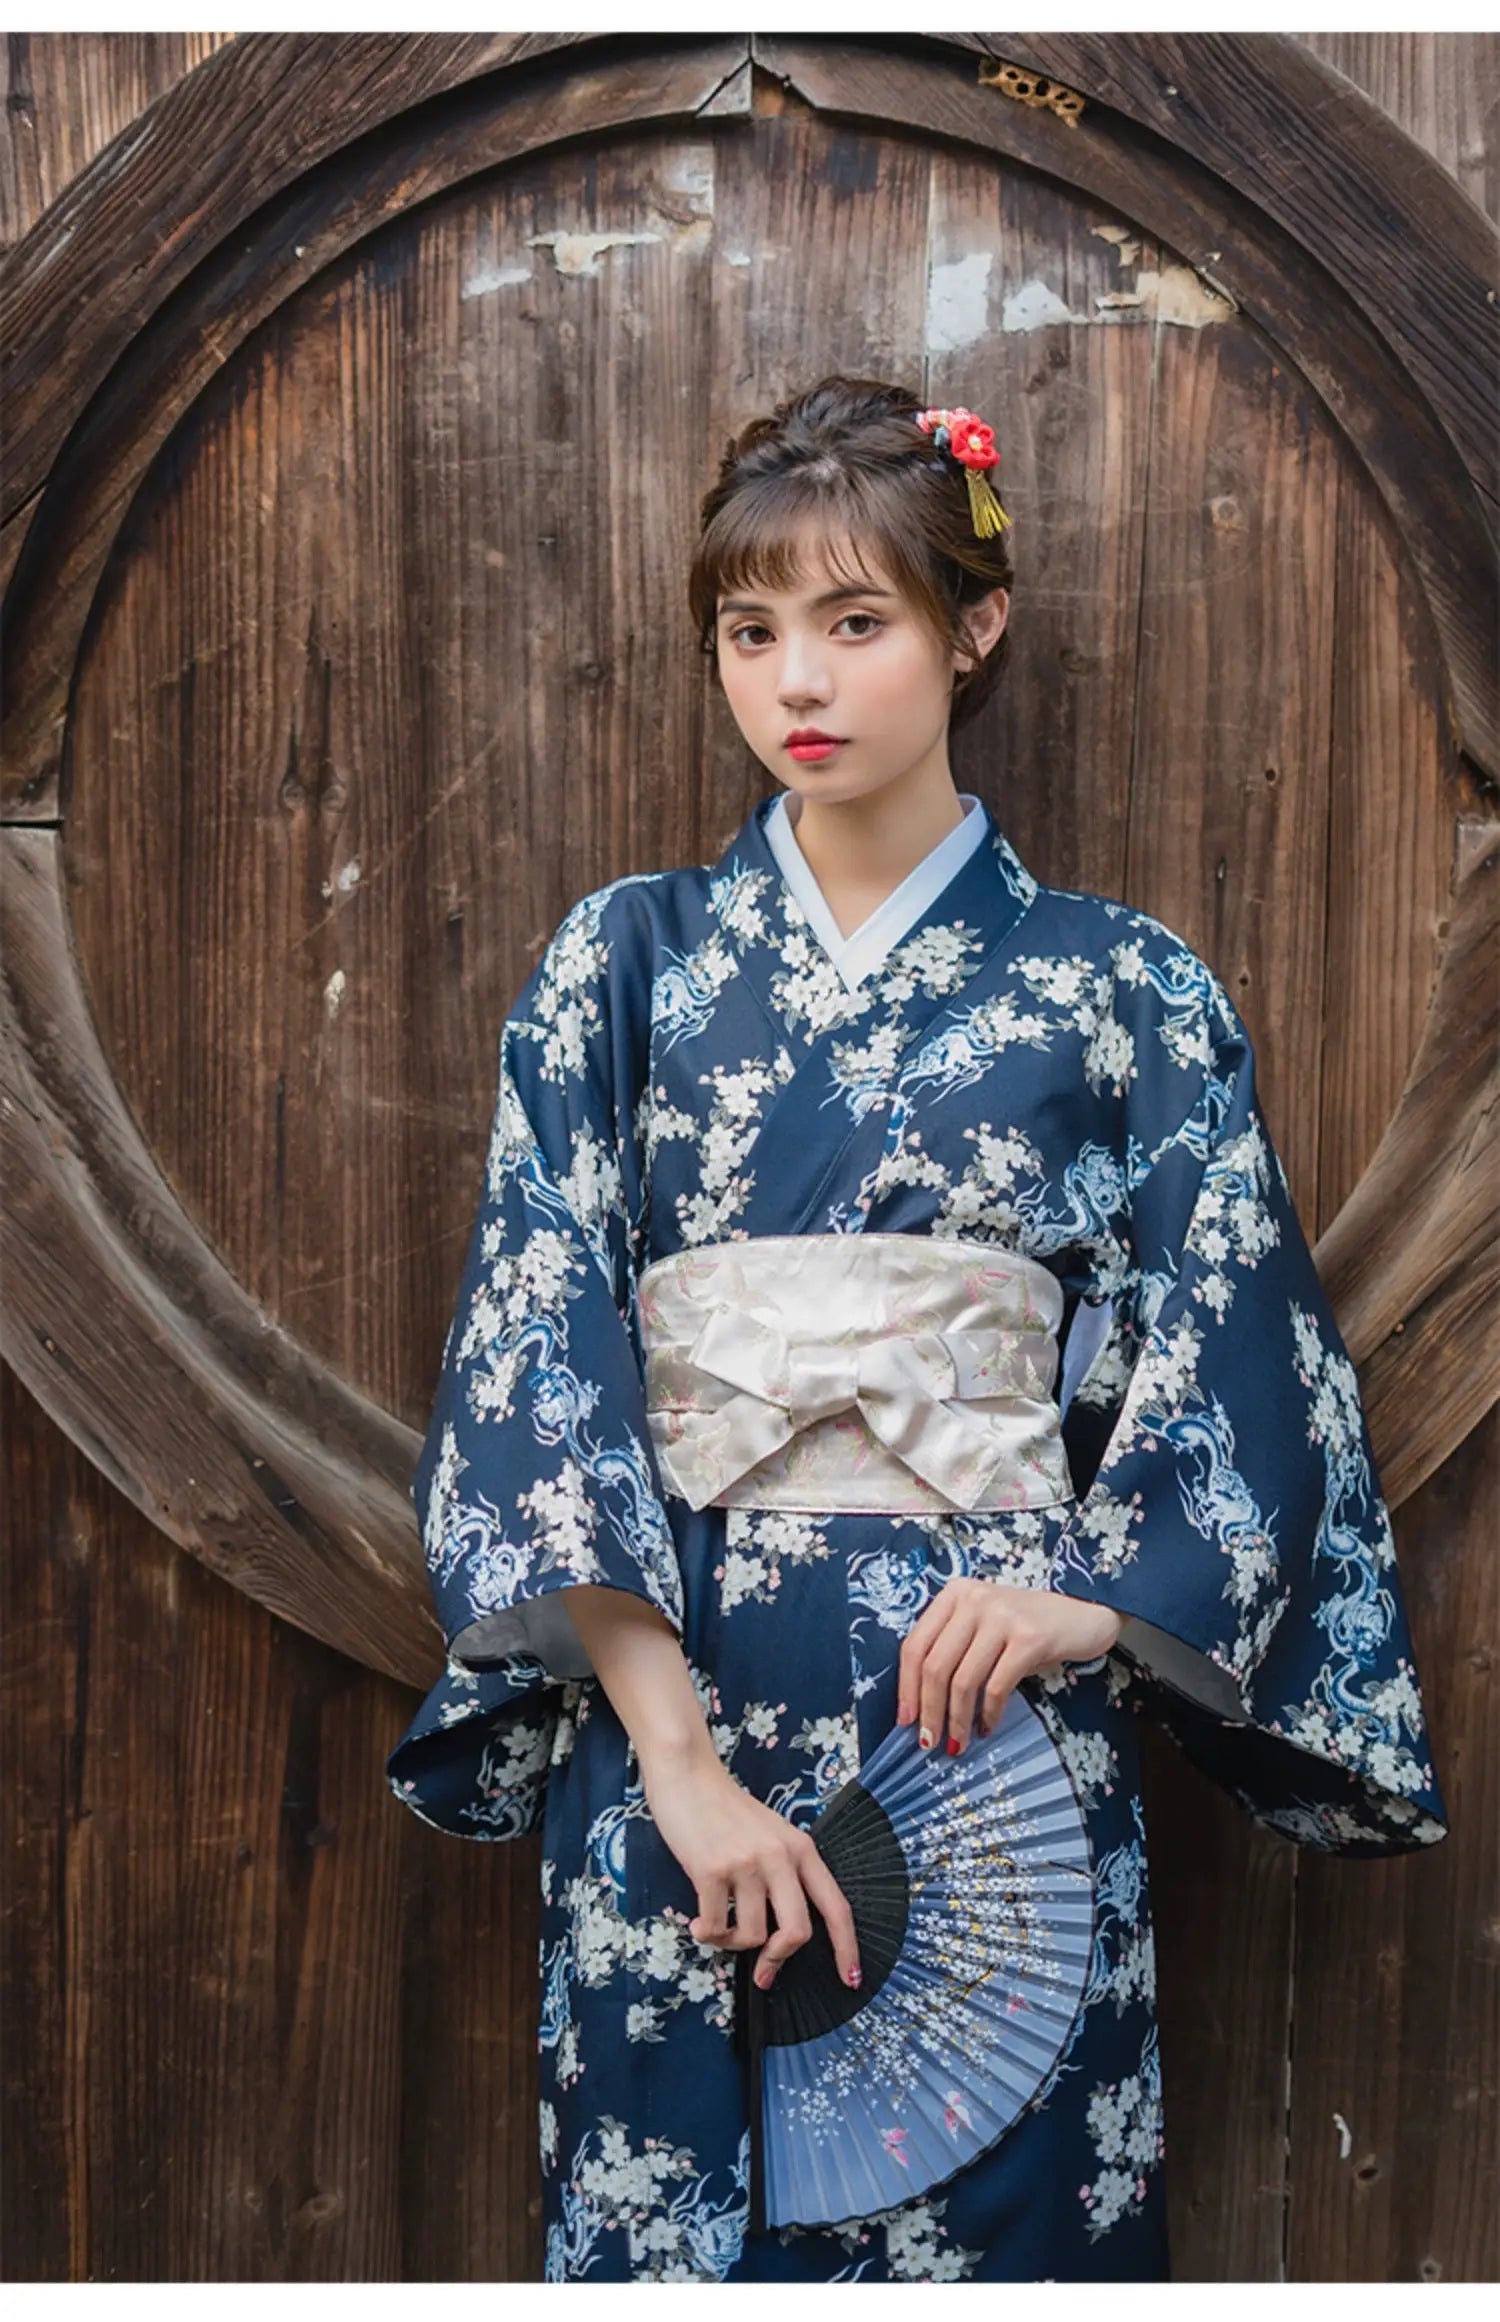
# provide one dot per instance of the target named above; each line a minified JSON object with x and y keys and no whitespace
{"x":867,"y":2101}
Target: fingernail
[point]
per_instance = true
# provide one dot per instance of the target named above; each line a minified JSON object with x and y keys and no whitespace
{"x":924,"y":1736}
{"x":952,"y":1747}
{"x":854,"y":1976}
{"x":763,"y":1982}
{"x":903,"y":1717}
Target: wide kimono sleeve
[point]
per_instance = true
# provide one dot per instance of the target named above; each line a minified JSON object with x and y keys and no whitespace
{"x":537,"y":1472}
{"x":1235,"y":1519}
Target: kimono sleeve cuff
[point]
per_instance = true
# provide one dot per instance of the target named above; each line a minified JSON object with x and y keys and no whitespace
{"x":1183,"y":1667}
{"x":541,"y":1626}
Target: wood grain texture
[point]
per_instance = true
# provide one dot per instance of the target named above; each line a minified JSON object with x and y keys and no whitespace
{"x":1395,"y":2112}
{"x":1013,"y":258}
{"x":260,"y":2024}
{"x":1424,"y":1325}
{"x":1399,"y":240}
{"x":1441,"y":88}
{"x":251,"y":122}
{"x":177,"y":1384}
{"x":184,"y":363}
{"x":68,"y":95}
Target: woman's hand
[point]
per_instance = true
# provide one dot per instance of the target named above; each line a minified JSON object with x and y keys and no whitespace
{"x":975,"y":1641}
{"x":730,"y":1845}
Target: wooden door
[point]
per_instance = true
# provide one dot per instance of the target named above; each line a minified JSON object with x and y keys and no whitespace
{"x":359,"y":401}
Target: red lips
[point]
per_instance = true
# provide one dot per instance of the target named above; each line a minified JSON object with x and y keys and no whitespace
{"x":809,"y":734}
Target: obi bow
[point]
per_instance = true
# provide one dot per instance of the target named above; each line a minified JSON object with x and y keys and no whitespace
{"x":909,"y":1387}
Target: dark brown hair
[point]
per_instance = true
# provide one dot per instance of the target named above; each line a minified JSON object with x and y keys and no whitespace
{"x":847,"y":452}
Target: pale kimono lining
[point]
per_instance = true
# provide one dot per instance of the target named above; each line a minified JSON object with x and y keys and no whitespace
{"x":541,"y":1625}
{"x":868,"y":946}
{"x":1184,"y":1667}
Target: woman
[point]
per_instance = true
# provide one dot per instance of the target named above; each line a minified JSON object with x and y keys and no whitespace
{"x":865,"y":1092}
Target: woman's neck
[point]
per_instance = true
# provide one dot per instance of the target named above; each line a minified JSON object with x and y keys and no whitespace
{"x":860,"y":849}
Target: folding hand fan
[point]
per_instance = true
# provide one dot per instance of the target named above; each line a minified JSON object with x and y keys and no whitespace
{"x":972,"y":1888}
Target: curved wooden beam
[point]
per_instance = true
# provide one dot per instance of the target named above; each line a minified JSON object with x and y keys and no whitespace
{"x":1350,"y":350}
{"x":243,"y":1448}
{"x":130,"y":228}
{"x":1366,"y":203}
{"x":130,"y":1331}
{"x":1412,"y":1261}
{"x":313,"y":222}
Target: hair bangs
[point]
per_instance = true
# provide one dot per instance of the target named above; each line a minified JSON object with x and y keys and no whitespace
{"x":839,"y":481}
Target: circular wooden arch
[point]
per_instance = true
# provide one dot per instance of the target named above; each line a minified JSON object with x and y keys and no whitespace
{"x":266,"y":1464}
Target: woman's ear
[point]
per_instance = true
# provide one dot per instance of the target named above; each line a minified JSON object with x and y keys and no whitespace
{"x":989,"y":617}
{"x":986,"y":621}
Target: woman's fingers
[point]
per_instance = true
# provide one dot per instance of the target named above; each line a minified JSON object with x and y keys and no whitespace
{"x":793,"y":1923}
{"x":923,"y":1633}
{"x":712,"y":1922}
{"x":749,"y":1930}
{"x":938,"y":1667}
{"x":1004,"y":1677}
{"x":965,"y":1687}
{"x":810,"y":1879}
{"x":831,"y":1900}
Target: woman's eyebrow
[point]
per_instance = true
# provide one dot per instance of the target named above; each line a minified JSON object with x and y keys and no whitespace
{"x":829,"y":597}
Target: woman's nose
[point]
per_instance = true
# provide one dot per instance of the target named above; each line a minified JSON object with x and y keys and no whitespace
{"x":801,"y":678}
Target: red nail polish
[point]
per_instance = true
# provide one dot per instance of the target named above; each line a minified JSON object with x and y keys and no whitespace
{"x":952,"y":1747}
{"x":854,"y":1977}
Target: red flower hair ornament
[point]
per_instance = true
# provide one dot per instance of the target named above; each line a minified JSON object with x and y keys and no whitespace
{"x":964,"y":436}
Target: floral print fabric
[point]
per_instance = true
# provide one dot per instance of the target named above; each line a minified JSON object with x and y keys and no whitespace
{"x":1044,"y":1070}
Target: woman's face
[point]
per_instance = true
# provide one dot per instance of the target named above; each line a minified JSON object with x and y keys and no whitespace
{"x":853,"y":663}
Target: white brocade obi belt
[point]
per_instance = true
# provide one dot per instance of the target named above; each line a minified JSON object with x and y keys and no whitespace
{"x":854,"y":1372}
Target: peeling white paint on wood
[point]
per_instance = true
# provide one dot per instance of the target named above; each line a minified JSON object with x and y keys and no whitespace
{"x":692,"y":175}
{"x":346,"y":882}
{"x":580,"y":253}
{"x":333,"y":993}
{"x":1033,"y":306}
{"x":1171,"y":294}
{"x":1179,"y":294}
{"x":958,"y":303}
{"x":495,"y":278}
{"x":1346,"y":2141}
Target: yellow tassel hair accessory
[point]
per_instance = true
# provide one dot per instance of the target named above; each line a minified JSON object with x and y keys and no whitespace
{"x":964,"y":435}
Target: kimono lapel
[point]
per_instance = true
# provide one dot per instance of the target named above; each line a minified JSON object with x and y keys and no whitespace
{"x":844,"y":1049}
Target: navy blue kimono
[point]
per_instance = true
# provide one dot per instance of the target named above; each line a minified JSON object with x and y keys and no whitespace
{"x":1033,"y":1067}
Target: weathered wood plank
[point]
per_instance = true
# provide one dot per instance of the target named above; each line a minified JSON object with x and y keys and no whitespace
{"x":1395,"y":2115}
{"x":261,"y":2025}
{"x":1404,"y":246}
{"x":259,"y":113}
{"x":190,"y":349}
{"x":67,"y":95}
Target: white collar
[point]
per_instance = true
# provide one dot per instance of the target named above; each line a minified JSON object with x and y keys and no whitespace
{"x":856,"y":954}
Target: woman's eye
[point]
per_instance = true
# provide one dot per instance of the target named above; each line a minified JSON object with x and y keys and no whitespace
{"x":748,"y":630}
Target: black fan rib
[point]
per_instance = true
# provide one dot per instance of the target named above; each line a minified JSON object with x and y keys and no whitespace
{"x":854,"y":1836}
